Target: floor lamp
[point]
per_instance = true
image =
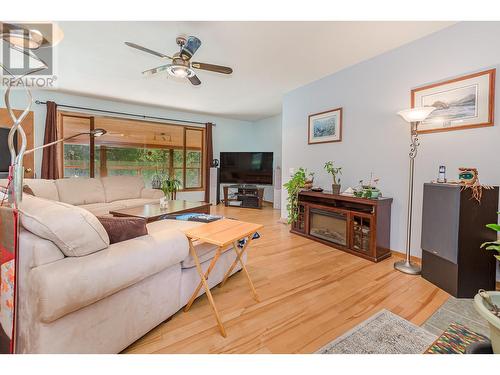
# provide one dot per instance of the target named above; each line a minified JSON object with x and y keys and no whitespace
{"x":414,"y":116}
{"x":26,"y":39}
{"x":93,"y":133}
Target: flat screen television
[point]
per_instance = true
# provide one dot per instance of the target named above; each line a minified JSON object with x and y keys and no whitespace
{"x":4,"y":149}
{"x":246,"y":168}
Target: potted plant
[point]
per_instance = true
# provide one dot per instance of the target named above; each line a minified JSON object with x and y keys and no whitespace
{"x":293,"y":188}
{"x":487,"y":304}
{"x":369,"y":191}
{"x":159,"y":158}
{"x":334,"y":171}
{"x":169,"y":186}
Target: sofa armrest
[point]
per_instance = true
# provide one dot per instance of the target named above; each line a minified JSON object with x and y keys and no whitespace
{"x":152,"y":193}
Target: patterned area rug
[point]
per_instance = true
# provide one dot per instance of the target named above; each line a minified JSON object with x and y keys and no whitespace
{"x":455,"y":340}
{"x":383,"y":333}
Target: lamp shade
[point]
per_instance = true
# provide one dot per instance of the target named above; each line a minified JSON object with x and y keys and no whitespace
{"x":98,"y":132}
{"x":416,"y":114}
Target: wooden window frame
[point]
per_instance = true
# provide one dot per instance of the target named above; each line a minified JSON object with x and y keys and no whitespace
{"x":203,"y":149}
{"x":203,"y":159}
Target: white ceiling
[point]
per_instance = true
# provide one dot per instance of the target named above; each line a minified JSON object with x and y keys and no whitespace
{"x":269,"y":59}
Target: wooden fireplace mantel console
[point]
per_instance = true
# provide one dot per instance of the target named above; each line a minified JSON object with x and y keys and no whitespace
{"x":356,"y":225}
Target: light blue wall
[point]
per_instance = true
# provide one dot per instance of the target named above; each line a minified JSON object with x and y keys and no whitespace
{"x":266,"y":134}
{"x":376,"y":140}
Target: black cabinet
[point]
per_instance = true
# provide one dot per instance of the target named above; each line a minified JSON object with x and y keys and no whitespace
{"x":453,"y":229}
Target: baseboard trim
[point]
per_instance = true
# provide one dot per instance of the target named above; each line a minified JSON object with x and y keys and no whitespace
{"x":398,"y":254}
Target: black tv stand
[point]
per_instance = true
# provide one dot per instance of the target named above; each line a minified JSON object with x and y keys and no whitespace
{"x":246,"y":196}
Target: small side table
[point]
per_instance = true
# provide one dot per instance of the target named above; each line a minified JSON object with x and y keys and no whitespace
{"x":222,"y":233}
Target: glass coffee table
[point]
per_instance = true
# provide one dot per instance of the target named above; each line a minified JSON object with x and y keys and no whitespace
{"x":154,"y":212}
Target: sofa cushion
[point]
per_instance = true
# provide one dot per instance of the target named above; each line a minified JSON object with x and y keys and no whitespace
{"x":160,"y":225}
{"x":152,"y":193}
{"x":27,"y":190}
{"x":136,"y":202}
{"x":75,"y":231}
{"x":43,"y":188}
{"x":73,"y":283}
{"x":78,"y":191}
{"x":123,"y":228}
{"x":205,"y":252}
{"x":122,"y":187}
{"x":99,"y":209}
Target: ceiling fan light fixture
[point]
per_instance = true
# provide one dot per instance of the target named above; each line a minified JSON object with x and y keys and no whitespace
{"x":180,"y":71}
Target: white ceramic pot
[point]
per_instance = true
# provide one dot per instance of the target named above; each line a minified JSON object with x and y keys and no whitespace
{"x":493,"y":320}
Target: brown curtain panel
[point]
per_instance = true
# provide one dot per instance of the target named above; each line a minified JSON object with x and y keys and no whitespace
{"x":50,"y":169}
{"x":210,"y":157}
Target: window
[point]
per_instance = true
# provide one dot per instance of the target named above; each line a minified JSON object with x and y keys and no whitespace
{"x":133,"y":148}
{"x":194,"y":158}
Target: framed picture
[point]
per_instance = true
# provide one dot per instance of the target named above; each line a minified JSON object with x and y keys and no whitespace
{"x":325,"y":127}
{"x":462,"y":103}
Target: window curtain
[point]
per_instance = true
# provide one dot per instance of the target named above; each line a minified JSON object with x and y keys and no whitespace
{"x":210,"y":157}
{"x":50,"y":164}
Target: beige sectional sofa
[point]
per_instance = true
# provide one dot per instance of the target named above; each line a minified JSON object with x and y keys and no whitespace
{"x":97,"y":195}
{"x":78,"y":293}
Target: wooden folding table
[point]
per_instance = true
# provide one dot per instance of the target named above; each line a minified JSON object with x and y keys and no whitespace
{"x":222,"y":233}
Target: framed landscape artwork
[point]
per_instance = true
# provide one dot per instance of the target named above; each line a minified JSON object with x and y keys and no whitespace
{"x":462,"y":103}
{"x":325,"y":126}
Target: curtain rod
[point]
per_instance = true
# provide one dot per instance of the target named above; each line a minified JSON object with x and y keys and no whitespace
{"x":126,"y":114}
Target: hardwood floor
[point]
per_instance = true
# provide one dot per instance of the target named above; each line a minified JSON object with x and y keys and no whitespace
{"x":310,"y":294}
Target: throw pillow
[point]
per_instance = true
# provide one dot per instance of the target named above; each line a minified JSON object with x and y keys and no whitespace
{"x":123,"y":228}
{"x":75,"y":231}
{"x":27,"y":190}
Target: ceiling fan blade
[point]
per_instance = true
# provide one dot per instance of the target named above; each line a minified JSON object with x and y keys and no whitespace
{"x":144,"y":49}
{"x":158,"y":69}
{"x":194,"y":80}
{"x":212,"y":67}
{"x":191,"y":46}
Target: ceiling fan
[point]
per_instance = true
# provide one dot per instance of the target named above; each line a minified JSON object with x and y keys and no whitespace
{"x":181,"y":66}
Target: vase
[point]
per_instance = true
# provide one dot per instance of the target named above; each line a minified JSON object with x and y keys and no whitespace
{"x":493,"y":320}
{"x":163,"y":202}
{"x":370,"y":192}
{"x":335,"y":188}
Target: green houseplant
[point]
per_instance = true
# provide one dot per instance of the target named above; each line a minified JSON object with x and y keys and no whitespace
{"x":486,"y":306}
{"x":334,"y":171}
{"x":369,"y":191}
{"x":293,"y":187}
{"x":169,"y":186}
{"x":493,"y":245}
